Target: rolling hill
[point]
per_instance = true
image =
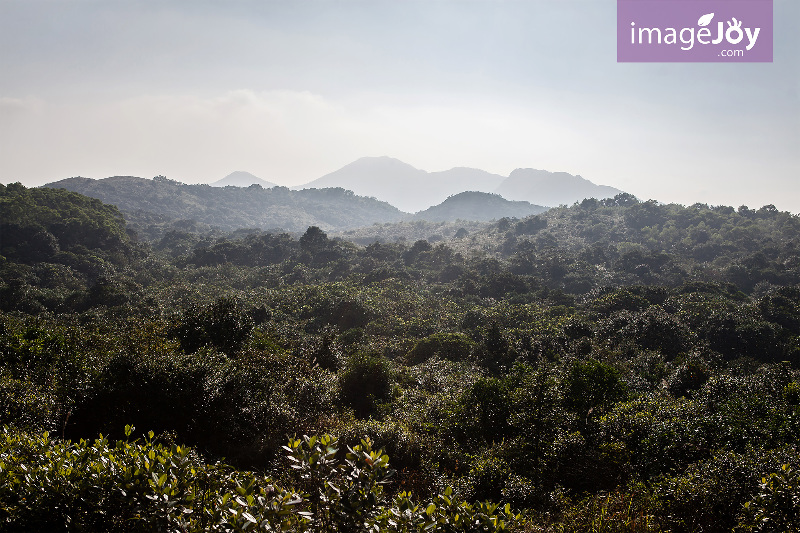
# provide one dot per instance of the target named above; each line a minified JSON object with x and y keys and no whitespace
{"x":480,"y":206}
{"x":368,"y":191}
{"x":230,"y":208}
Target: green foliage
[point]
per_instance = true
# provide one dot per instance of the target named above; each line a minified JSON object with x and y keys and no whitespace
{"x":44,"y":220}
{"x":689,"y":376}
{"x":61,"y":251}
{"x":627,"y":510}
{"x":349,"y":495}
{"x":621,"y":300}
{"x":487,"y":476}
{"x":651,"y":329}
{"x":710,"y":494}
{"x":654,"y":434}
{"x":343,"y":495}
{"x":165,"y":392}
{"x":52,"y":485}
{"x":776,"y":506}
{"x":484,"y":410}
{"x":445,"y":513}
{"x":326,"y":355}
{"x":530,"y":225}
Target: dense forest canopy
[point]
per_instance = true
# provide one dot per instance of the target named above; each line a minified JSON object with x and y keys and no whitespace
{"x":614,"y":365}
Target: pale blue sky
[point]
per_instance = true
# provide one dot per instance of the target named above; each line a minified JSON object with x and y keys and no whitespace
{"x":292,"y":90}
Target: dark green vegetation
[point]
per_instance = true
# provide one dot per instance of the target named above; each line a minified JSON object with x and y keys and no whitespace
{"x":612,"y":366}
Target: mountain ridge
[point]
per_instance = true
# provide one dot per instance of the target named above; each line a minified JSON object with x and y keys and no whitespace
{"x":413,"y":190}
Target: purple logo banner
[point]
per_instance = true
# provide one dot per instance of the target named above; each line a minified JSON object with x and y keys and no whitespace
{"x":694,"y":31}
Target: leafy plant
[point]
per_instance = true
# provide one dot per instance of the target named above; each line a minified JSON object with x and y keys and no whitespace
{"x":776,"y":505}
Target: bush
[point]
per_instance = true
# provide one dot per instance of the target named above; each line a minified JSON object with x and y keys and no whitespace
{"x":593,"y":385}
{"x":50,"y":485}
{"x":483,"y":412}
{"x":452,"y":346}
{"x":221,"y":324}
{"x":776,"y":506}
{"x":711,"y":495}
{"x":365,"y":380}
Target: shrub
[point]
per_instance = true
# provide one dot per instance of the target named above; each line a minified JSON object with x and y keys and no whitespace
{"x":776,"y":506}
{"x":221,"y":324}
{"x":593,"y":385}
{"x":50,"y":485}
{"x":452,"y":346}
{"x":365,"y":380}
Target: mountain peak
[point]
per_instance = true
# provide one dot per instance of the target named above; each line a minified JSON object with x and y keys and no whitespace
{"x":241,"y":178}
{"x":381,"y":162}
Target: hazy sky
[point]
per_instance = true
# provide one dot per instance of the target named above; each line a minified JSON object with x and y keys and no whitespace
{"x":293,"y":90}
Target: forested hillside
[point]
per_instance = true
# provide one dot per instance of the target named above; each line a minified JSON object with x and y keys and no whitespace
{"x":616,"y":365}
{"x":231,"y":208}
{"x":480,"y":206}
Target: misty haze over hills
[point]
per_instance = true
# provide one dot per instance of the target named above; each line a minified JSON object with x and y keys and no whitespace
{"x":411,"y":189}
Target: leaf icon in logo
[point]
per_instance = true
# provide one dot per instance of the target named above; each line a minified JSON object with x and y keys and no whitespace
{"x":705,"y":20}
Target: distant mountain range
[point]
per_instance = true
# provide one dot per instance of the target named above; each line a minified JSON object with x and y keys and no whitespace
{"x":363,"y":193}
{"x":481,"y":206}
{"x":242,"y":179}
{"x":412,"y":190}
